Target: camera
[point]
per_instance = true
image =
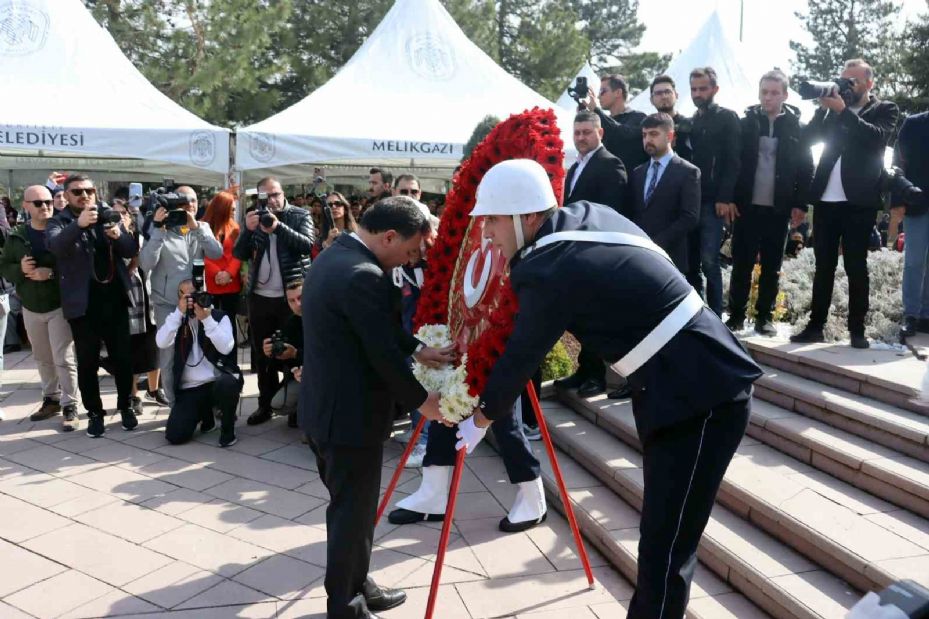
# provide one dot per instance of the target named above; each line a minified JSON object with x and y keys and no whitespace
{"x":579,"y":89}
{"x":843,"y":86}
{"x":903,"y":190}
{"x":199,"y":296}
{"x":265,"y":218}
{"x":110,"y":217}
{"x":165,"y":197}
{"x":278,"y":346}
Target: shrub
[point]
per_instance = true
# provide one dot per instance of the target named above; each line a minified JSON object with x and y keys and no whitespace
{"x":557,"y":363}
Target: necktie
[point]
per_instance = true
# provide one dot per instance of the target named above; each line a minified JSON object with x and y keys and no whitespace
{"x":656,"y":166}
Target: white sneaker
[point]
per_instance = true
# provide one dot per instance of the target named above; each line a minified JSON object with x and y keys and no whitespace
{"x":532,"y":432}
{"x":415,"y":461}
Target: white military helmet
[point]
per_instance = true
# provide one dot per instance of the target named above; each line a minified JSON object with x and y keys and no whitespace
{"x":515,"y":187}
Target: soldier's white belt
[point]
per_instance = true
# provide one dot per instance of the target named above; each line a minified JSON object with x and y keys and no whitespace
{"x":667,"y":328}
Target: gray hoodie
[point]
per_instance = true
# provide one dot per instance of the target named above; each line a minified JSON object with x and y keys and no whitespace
{"x":168,"y":257}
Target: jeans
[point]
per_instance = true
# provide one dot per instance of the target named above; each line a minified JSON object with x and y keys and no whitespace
{"x":915,"y":273}
{"x":424,"y":435}
{"x":710,"y":234}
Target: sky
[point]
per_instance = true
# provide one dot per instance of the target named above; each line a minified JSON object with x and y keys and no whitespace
{"x":769,"y":25}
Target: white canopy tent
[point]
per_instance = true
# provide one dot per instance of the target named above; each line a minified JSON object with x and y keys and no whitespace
{"x":593,"y":80}
{"x":410,"y":98}
{"x":738,"y":84}
{"x":75,"y":102}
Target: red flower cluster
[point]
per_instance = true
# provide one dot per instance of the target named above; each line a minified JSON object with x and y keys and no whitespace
{"x":530,"y":135}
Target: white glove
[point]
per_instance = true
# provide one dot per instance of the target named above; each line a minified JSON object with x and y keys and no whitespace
{"x":470,"y":435}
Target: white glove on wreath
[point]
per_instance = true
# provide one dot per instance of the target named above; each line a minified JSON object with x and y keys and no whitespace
{"x":470,"y":435}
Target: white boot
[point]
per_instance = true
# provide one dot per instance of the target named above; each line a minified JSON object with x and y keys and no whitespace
{"x":528,"y":509}
{"x":432,"y":495}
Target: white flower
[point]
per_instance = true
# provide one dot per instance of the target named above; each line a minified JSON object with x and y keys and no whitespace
{"x":455,"y":403}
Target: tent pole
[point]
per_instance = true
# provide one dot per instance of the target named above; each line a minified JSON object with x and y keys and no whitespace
{"x":741,"y":18}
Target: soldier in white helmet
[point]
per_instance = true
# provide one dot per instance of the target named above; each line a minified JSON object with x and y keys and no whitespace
{"x":585,"y":269}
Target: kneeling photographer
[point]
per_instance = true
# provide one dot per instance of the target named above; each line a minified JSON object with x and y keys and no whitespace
{"x":286,"y":346}
{"x":200,"y":341}
{"x":176,"y":241}
{"x":89,"y":244}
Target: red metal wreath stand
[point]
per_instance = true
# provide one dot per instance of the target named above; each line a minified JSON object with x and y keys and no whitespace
{"x":453,"y":498}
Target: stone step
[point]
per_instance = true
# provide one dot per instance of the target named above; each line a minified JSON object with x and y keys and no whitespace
{"x":885,"y":424}
{"x":888,"y":376}
{"x":875,"y":469}
{"x":771,"y":575}
{"x":866,"y":542}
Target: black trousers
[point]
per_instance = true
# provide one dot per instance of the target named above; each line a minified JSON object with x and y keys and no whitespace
{"x":694,"y":272}
{"x":229,"y":304}
{"x":194,"y":406}
{"x":835,"y":225}
{"x":106,"y":321}
{"x":590,"y":366}
{"x":683,"y":467}
{"x":521,"y":464}
{"x":353,"y":477}
{"x":529,"y":412}
{"x":265,"y":316}
{"x":759,"y":230}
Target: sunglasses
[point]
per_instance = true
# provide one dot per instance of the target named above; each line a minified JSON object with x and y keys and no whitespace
{"x":41,"y":203}
{"x":77,"y":193}
{"x":409,"y":192}
{"x":336,"y":203}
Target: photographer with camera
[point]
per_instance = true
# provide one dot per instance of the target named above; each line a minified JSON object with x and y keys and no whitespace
{"x":177,"y":240}
{"x":286,"y":347}
{"x":277,"y":242}
{"x":200,"y":341}
{"x":622,"y":128}
{"x":90,"y":244}
{"x":846,"y":191}
{"x":912,"y":155}
{"x":28,"y":265}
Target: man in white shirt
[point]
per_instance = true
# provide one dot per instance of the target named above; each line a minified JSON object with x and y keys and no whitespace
{"x":205,"y":371}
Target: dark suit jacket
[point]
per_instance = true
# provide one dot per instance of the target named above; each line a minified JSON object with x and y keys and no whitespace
{"x":74,"y":249}
{"x":602,"y":181}
{"x":860,"y":140}
{"x":610,"y":297}
{"x":354,"y":352}
{"x":673,"y":209}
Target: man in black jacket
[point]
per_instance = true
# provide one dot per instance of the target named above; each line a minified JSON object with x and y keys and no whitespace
{"x":777,"y":166}
{"x":621,"y":127}
{"x":599,"y":177}
{"x":714,"y":141}
{"x":95,"y":295}
{"x":691,"y":378}
{"x":278,"y":254}
{"x":847,"y":191}
{"x":665,"y":192}
{"x":355,"y":374}
{"x":664,"y":97}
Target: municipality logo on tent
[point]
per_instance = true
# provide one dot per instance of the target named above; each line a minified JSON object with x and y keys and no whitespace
{"x":430,"y":57}
{"x":23,"y":29}
{"x":202,"y":148}
{"x":261,"y":146}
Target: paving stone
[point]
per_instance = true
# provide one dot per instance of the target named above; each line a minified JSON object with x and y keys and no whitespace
{"x":22,"y":521}
{"x":127,"y":485}
{"x":129,"y":521}
{"x":21,"y":568}
{"x":220,"y":516}
{"x":281,"y":576}
{"x":59,"y":594}
{"x":172,"y":584}
{"x":209,"y":550}
{"x":114,"y":603}
{"x":226,"y":593}
{"x":264,"y":497}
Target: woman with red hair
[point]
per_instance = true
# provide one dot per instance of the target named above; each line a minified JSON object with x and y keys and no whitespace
{"x":222,"y":276}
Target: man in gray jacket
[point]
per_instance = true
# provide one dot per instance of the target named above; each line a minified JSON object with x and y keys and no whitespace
{"x":168,"y":257}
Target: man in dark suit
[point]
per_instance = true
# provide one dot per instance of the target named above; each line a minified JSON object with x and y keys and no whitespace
{"x":597,"y":176}
{"x":354,"y":374}
{"x":665,"y":191}
{"x":691,"y":378}
{"x":846,"y":192}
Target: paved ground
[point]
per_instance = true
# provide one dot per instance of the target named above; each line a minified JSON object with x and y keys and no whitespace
{"x":127,"y":524}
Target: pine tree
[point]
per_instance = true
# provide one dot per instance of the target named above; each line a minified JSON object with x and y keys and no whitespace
{"x":612,"y":27}
{"x":845,"y":29}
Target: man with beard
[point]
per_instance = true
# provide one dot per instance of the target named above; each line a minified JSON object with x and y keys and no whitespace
{"x":664,"y":97}
{"x":380,"y":184}
{"x":715,"y":143}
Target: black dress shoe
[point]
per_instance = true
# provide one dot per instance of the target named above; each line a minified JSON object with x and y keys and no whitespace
{"x":515,"y":527}
{"x":385,"y":599}
{"x":590,"y":388}
{"x":408,"y":516}
{"x":810,"y":335}
{"x":735,"y":324}
{"x":571,"y":382}
{"x":860,"y":341}
{"x":765,"y":328}
{"x":259,"y":416}
{"x":620,"y":394}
